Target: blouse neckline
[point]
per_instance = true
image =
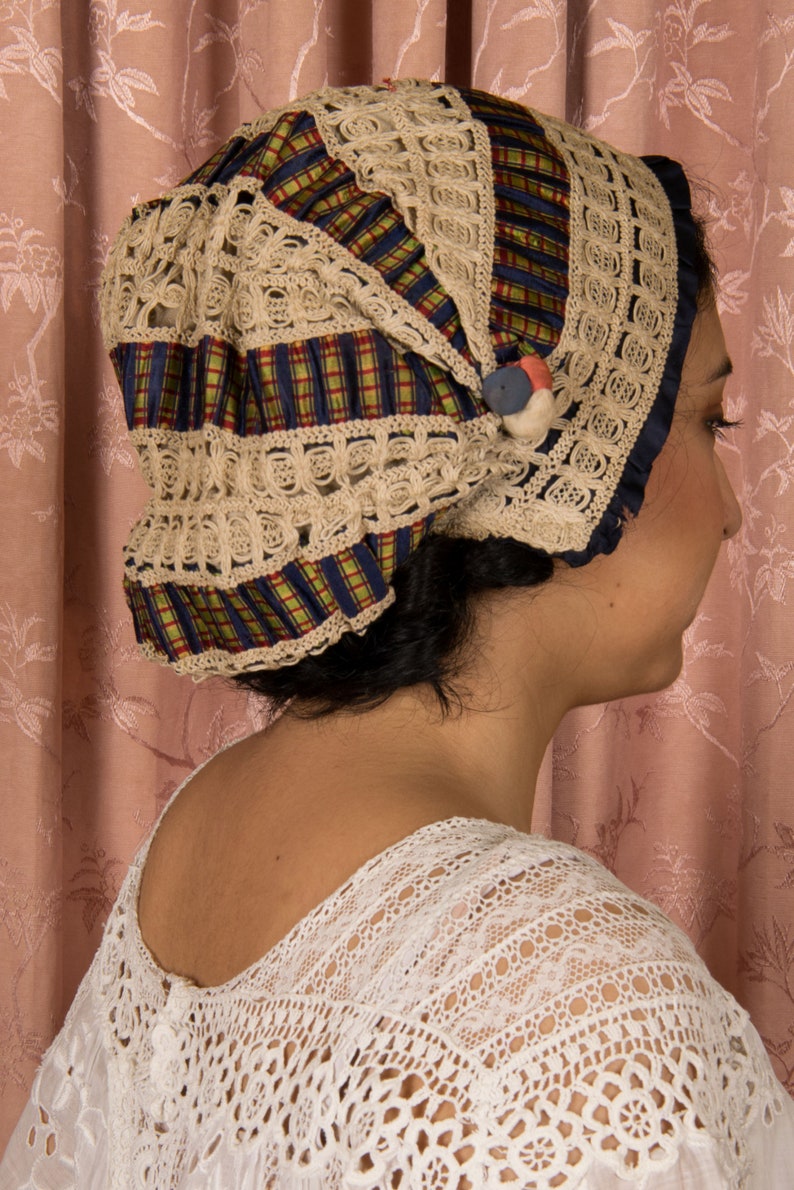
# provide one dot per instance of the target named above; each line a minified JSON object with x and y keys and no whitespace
{"x":170,"y":980}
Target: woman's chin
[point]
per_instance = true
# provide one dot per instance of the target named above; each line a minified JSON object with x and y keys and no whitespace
{"x":656,"y":674}
{"x":665,"y":670}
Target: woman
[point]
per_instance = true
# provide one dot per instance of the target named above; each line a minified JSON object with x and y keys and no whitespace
{"x":427,"y":388}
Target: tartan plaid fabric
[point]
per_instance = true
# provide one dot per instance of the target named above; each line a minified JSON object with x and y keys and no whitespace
{"x":314,"y":382}
{"x":177,"y":620}
{"x":529,"y":284}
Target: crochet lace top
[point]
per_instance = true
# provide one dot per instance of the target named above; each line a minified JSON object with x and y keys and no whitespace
{"x":473,"y":1007}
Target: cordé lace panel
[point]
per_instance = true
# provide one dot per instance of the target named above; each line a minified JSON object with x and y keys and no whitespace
{"x":473,"y":1007}
{"x":219,"y":261}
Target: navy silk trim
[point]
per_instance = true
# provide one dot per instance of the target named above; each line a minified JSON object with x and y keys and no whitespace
{"x":630,"y":491}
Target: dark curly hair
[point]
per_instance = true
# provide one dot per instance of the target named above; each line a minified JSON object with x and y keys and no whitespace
{"x":423,"y":636}
{"x":420,"y":638}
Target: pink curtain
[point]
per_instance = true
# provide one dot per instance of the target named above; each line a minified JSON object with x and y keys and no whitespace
{"x":687,"y":796}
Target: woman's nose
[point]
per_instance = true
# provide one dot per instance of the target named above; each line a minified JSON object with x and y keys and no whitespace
{"x":732,"y":513}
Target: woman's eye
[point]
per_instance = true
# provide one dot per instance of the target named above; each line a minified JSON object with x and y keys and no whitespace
{"x":718,"y":426}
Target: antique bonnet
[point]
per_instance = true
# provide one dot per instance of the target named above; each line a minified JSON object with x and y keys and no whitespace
{"x":316,"y":335}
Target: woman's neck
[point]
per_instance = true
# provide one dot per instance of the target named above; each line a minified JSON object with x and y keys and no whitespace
{"x":480,"y":760}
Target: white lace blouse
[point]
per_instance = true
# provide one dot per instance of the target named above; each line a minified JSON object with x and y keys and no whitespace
{"x":474,"y":1007}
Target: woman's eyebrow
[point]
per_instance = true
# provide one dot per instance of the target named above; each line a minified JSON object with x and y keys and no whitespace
{"x":724,"y":368}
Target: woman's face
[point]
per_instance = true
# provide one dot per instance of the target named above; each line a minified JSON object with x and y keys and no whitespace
{"x":642,"y":597}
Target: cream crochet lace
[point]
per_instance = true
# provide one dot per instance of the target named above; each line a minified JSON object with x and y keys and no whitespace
{"x":474,"y":1007}
{"x":224,"y":262}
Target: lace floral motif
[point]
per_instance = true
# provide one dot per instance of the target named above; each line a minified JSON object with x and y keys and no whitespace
{"x":473,"y":1007}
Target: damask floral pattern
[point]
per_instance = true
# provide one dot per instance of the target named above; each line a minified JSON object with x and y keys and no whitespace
{"x":687,"y":796}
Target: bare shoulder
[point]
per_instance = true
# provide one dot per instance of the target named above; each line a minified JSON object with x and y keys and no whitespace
{"x":249,"y":847}
{"x":229,"y":872}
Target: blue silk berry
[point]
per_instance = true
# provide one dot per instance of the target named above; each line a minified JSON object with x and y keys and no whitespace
{"x":506,"y":391}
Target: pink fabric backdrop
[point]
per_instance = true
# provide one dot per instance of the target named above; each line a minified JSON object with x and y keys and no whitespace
{"x":688,"y":795}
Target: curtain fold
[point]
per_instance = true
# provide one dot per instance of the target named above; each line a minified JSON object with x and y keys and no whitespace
{"x":686,"y":795}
